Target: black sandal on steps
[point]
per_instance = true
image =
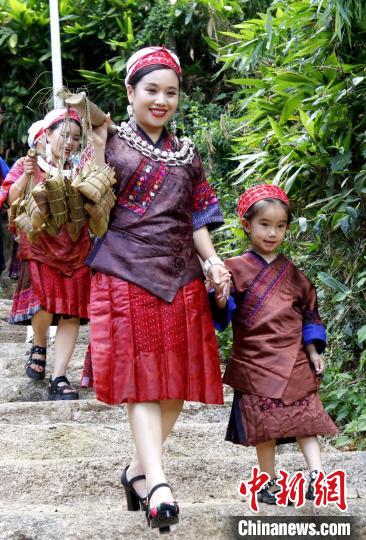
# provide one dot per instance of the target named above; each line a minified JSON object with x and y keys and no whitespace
{"x":57,"y":393}
{"x":31,"y":372}
{"x":134,"y":501}
{"x":163,"y":514}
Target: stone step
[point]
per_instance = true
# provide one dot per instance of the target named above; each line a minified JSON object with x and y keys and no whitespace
{"x":108,"y":519}
{"x":194,"y":479}
{"x":26,"y":389}
{"x":71,"y":440}
{"x":13,"y":357}
{"x":90,"y":410}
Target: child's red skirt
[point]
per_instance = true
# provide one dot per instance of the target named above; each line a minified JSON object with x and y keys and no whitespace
{"x":146,"y":349}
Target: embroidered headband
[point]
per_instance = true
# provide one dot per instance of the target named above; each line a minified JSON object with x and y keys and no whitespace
{"x":150,"y":56}
{"x":56,"y":115}
{"x":35,"y":132}
{"x":257,"y":193}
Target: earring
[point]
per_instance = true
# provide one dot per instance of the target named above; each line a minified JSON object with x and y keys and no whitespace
{"x":131,"y":115}
{"x":173,"y":127}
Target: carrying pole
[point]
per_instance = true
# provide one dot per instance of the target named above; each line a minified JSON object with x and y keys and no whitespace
{"x":56,"y":53}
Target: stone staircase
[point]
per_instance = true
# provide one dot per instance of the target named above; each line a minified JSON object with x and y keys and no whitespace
{"x":60,"y":463}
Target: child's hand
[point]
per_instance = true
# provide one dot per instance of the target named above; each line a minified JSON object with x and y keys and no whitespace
{"x":317,"y":361}
{"x":30,"y":165}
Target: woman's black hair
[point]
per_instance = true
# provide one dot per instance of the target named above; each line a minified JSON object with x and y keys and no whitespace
{"x":140,"y":73}
{"x":253,"y":210}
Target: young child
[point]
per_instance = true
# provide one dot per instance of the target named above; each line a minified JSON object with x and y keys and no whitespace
{"x":275,"y":364}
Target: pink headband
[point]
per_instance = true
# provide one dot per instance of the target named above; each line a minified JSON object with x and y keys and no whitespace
{"x":257,"y":193}
{"x":150,"y":56}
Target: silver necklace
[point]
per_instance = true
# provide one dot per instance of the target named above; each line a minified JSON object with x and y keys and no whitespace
{"x":51,"y":170}
{"x":183,"y":157}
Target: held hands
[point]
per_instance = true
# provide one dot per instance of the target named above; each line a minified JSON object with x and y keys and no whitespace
{"x":219,"y":279}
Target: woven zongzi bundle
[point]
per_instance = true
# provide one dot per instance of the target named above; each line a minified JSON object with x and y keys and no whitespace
{"x":23,"y":223}
{"x":78,"y":216}
{"x":51,"y":226}
{"x":97,"y":182}
{"x":40,"y":196}
{"x":101,"y":210}
{"x":98,"y":227}
{"x":56,"y":194}
{"x":34,"y":212}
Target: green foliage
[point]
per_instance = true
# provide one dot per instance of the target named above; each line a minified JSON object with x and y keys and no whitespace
{"x":297,"y":119}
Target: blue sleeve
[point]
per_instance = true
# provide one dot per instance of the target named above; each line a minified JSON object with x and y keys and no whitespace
{"x":221,"y":317}
{"x":315,"y":333}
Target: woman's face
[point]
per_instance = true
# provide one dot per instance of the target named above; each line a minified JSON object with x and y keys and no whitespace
{"x":155,"y":100}
{"x":64,"y":139}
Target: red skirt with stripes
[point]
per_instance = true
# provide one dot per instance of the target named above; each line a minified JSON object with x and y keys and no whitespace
{"x":146,"y":349}
{"x":42,"y":287}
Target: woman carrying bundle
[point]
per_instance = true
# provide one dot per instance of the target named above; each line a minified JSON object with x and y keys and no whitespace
{"x":54,"y":283}
{"x":152,"y":338}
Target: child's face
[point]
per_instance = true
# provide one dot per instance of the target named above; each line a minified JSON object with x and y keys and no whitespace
{"x":155,"y":100}
{"x":65,"y":139}
{"x":267,"y":228}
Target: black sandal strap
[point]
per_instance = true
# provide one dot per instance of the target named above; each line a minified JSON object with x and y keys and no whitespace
{"x":157,"y":486}
{"x":37,"y":362}
{"x":38,"y":350}
{"x":136,"y":478}
{"x":57,"y":380}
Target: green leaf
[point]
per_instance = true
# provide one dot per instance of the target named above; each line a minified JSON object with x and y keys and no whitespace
{"x":332,"y":282}
{"x":307,"y":123}
{"x":361,"y":334}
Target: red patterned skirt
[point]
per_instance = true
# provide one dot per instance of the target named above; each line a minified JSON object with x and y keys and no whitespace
{"x":146,"y":349}
{"x":42,"y":287}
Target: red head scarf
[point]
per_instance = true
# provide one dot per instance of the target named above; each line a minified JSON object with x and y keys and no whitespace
{"x":257,"y":193}
{"x":150,"y":56}
{"x":56,"y":115}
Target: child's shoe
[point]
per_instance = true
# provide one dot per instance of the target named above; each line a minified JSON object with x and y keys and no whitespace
{"x":309,"y":495}
{"x":266,"y":495}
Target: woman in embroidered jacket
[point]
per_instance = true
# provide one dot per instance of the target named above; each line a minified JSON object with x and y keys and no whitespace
{"x":275,"y":363}
{"x":54,"y":283}
{"x":152,"y":337}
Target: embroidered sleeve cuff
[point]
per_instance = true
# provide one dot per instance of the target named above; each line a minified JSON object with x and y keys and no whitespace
{"x":221,"y":317}
{"x":315,"y":333}
{"x":210,"y":216}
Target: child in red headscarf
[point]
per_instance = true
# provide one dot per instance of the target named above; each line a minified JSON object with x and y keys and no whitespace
{"x":275,"y":364}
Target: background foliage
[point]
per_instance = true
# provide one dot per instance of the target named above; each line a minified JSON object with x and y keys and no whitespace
{"x":273,"y":90}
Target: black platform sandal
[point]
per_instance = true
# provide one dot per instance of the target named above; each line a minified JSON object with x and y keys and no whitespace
{"x":57,"y":393}
{"x":32,"y":373}
{"x":134,"y":501}
{"x":163,"y":515}
{"x":310,"y":495}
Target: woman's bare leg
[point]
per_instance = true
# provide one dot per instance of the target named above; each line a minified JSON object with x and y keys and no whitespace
{"x":149,"y":426}
{"x":40,"y":324}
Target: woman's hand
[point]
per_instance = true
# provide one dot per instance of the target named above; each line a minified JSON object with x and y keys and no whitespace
{"x":99,"y":136}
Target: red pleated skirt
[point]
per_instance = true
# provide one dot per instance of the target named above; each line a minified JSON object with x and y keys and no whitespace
{"x":42,"y":287}
{"x":146,"y":349}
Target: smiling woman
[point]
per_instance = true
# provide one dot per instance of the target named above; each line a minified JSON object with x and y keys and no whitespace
{"x":152,"y":338}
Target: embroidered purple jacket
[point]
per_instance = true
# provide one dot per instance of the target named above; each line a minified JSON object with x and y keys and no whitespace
{"x":149,"y":240}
